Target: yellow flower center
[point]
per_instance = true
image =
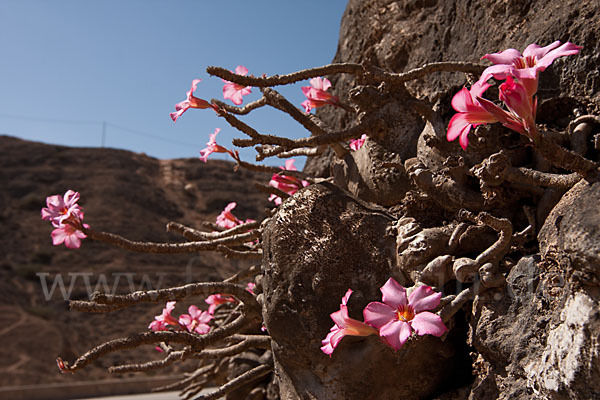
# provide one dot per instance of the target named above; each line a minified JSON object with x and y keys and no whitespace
{"x":525,"y":62}
{"x":405,"y":313}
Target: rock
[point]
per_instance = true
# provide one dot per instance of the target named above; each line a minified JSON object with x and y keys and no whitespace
{"x":571,"y":233}
{"x":320,"y":243}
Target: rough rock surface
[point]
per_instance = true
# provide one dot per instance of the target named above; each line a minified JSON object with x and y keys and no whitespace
{"x":539,"y":336}
{"x":400,"y":35}
{"x":320,"y":243}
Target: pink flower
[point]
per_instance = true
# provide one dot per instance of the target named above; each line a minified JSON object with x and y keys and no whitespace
{"x":215,"y":300}
{"x":66,"y":217}
{"x":196,"y":321}
{"x":213,"y":147}
{"x":470,"y":113}
{"x":250,"y":286}
{"x":397,"y":317}
{"x":234,"y":91}
{"x":516,"y":98}
{"x":191,"y":102}
{"x":226,"y":219}
{"x":525,"y":67}
{"x":61,"y":208}
{"x":69,"y":235}
{"x":317,"y":94}
{"x":356,"y":144}
{"x":161,"y":321}
{"x":63,"y":367}
{"x":288,"y":184}
{"x":344,"y":325}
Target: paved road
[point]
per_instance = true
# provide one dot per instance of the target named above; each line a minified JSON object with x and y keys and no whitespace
{"x":146,"y":396}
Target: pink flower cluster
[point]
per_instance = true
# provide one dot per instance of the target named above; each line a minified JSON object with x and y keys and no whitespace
{"x":227,"y":220}
{"x":233,"y":91}
{"x":213,"y":147}
{"x":356,"y":144}
{"x":518,"y":91}
{"x":66,"y":216}
{"x":394,"y":320}
{"x":286,"y":183}
{"x":191,"y":102}
{"x":317,"y":94}
{"x":196,"y":320}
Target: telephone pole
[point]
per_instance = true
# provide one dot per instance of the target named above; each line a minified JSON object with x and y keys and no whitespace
{"x":103,"y":134}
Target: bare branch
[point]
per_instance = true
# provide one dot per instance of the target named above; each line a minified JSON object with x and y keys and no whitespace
{"x":199,"y":372}
{"x":241,"y":110}
{"x":197,"y":342}
{"x":147,"y":366}
{"x":346,"y":68}
{"x":193,"y":234}
{"x":501,"y":225}
{"x":168,"y":248}
{"x":275,"y":170}
{"x":231,"y":253}
{"x":177,"y":293}
{"x":246,"y":377}
{"x":271,"y":190}
{"x":442,"y":66}
{"x":458,"y":302}
{"x":368,"y":73}
{"x":278,"y":101}
{"x":244,"y":274}
{"x":305,"y":151}
{"x":580,"y":120}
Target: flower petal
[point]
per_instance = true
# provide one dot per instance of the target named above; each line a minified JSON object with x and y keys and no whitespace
{"x":504,"y":57}
{"x":458,"y":123}
{"x":537,"y":51}
{"x":340,"y":317}
{"x":241,"y":70}
{"x":462,"y":100}
{"x":378,"y":314}
{"x":424,"y":298}
{"x":497,"y":71}
{"x":427,"y":323}
{"x":346,"y":297}
{"x":394,"y":294}
{"x":396,"y":333}
{"x":566,"y":49}
{"x":185,"y":319}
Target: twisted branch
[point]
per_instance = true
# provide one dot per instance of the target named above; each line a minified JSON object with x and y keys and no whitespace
{"x":193,"y":234}
{"x":169,"y":248}
{"x":246,"y":377}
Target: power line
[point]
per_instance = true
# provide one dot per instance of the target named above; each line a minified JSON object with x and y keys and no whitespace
{"x":104,"y":125}
{"x":52,"y":120}
{"x":148,"y":135}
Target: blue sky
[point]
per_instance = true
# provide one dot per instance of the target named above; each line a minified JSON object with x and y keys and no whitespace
{"x":69,"y":65}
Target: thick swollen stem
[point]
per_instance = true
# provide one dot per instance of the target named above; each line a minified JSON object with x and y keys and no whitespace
{"x":563,"y":158}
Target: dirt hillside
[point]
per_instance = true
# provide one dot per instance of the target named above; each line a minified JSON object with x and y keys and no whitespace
{"x":121,"y":192}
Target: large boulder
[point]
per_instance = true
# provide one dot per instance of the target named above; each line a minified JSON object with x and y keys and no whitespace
{"x":321,"y":242}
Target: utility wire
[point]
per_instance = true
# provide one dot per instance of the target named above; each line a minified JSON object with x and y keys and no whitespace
{"x":148,"y":135}
{"x":52,"y":120}
{"x":103,"y":124}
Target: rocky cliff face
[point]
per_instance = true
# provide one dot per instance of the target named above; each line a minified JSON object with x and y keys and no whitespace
{"x":536,"y":334}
